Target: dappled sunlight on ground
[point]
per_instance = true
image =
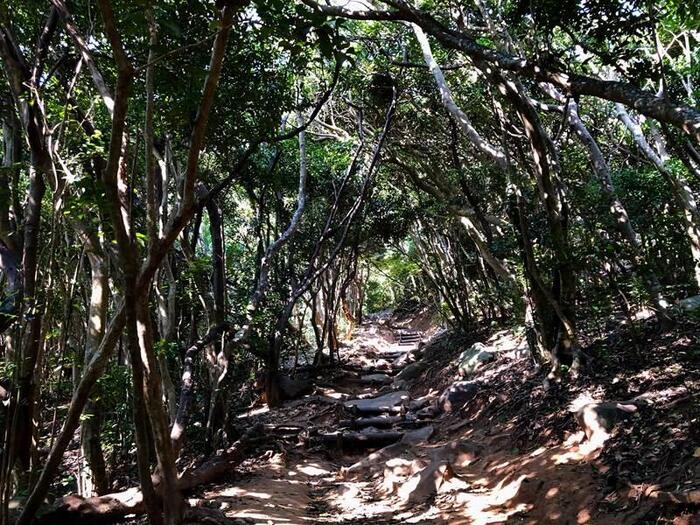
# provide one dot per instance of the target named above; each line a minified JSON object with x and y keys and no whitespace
{"x":515,"y":454}
{"x":548,"y":485}
{"x":270,"y":493}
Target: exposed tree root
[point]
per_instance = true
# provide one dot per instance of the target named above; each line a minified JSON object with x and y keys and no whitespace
{"x":689,"y":497}
{"x":203,"y":515}
{"x":112,"y":507}
{"x":358,"y":440}
{"x":377,"y":421}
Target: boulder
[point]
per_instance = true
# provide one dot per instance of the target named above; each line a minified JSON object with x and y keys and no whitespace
{"x":457,"y":395}
{"x":472,"y":358}
{"x":412,"y":371}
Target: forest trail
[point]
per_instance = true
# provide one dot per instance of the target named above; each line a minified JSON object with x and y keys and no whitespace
{"x":299,"y":485}
{"x":461,"y":474}
{"x":200,"y":200}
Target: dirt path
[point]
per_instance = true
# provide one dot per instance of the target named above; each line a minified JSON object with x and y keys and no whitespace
{"x":298,"y":485}
{"x":471,"y":471}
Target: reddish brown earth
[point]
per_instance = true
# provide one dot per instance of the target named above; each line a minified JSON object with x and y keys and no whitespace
{"x":525,"y":461}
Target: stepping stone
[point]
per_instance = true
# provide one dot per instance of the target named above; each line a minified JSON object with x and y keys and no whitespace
{"x":391,"y":402}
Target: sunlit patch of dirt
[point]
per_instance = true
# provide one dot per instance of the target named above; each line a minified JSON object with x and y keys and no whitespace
{"x":549,"y":485}
{"x":278,"y":490}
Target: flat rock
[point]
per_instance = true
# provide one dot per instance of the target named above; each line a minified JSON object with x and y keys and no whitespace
{"x":598,"y":419}
{"x":388,"y":401}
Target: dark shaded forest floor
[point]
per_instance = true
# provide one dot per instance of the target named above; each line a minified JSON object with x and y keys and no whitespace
{"x":513,"y":454}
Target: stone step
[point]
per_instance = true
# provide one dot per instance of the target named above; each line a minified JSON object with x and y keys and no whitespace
{"x":409,"y":338}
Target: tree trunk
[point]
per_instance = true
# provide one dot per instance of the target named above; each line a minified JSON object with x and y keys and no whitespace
{"x":617,"y":210}
{"x":153,"y":398}
{"x":115,"y":507}
{"x":683,"y":193}
{"x":93,"y":476}
{"x":27,"y":386}
{"x":552,"y":196}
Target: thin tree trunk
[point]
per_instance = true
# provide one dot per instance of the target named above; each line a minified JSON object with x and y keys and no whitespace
{"x":681,"y":190}
{"x":25,"y":430}
{"x":93,"y":474}
{"x":552,"y":195}
{"x":617,"y":209}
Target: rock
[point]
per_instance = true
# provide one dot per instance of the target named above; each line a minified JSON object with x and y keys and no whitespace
{"x":370,"y":464}
{"x":521,"y":351}
{"x":418,"y":436}
{"x":417,"y":404}
{"x":424,"y":484}
{"x":382,"y":364}
{"x":396,"y":471}
{"x":472,"y":358}
{"x":400,"y":384}
{"x":405,"y":359}
{"x":460,"y":453}
{"x":598,"y":419}
{"x":457,"y":395}
{"x":391,"y":402}
{"x":418,"y":352}
{"x":428,"y":412}
{"x":376,"y":379}
{"x":690,"y":304}
{"x":412,"y":371}
{"x":476,"y":348}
